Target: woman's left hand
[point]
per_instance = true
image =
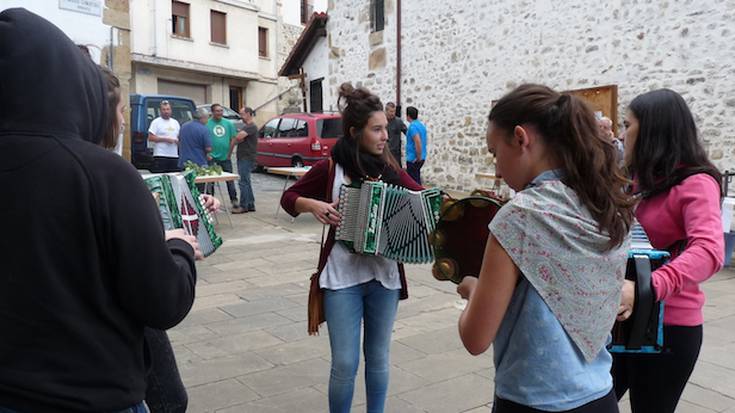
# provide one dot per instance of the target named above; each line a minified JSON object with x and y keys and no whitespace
{"x":466,"y":287}
{"x":627,"y":300}
{"x":211,"y":203}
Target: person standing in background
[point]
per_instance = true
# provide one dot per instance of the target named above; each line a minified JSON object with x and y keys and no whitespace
{"x":247,"y":145}
{"x":395,"y":128}
{"x":164,"y":133}
{"x":415,"y":144}
{"x":222,"y":132}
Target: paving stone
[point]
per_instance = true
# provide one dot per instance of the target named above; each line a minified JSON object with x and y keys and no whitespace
{"x":401,"y":381}
{"x":294,"y":331}
{"x":209,"y":315}
{"x":287,"y":378}
{"x":259,"y":293}
{"x":455,"y":395}
{"x":258,"y":306}
{"x":235,"y":344}
{"x":246,"y":324}
{"x":216,"y":300}
{"x":191,"y":334}
{"x":433,"y":342}
{"x":716,"y":378}
{"x":402,"y":353}
{"x":294,"y":352}
{"x":295,"y":314}
{"x":220,"y":288}
{"x":443,"y":366}
{"x":208,"y":371}
{"x":700,"y":396}
{"x":218,"y":395}
{"x":305,"y":400}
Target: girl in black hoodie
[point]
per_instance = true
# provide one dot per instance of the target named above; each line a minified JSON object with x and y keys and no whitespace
{"x":85,"y":261}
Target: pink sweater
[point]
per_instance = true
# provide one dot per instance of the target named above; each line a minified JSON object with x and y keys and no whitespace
{"x":689,"y":211}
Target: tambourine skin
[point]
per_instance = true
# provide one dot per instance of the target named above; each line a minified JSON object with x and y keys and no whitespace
{"x":460,"y":237}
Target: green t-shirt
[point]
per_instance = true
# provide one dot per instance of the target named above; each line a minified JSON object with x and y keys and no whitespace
{"x":221,"y":133}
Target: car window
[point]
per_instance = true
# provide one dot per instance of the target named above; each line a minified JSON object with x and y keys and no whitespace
{"x":230,"y":114}
{"x":286,"y":128}
{"x":329,"y":128}
{"x":301,"y":129}
{"x":180,"y":111}
{"x":269,"y":130}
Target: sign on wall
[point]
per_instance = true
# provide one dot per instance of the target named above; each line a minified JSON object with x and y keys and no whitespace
{"x":92,"y":7}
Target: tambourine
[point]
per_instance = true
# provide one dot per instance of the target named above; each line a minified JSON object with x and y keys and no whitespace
{"x":461,"y":234}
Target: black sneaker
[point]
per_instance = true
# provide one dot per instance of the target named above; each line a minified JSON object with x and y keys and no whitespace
{"x":237,"y":209}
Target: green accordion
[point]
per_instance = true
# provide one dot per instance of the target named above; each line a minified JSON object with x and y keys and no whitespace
{"x":389,"y":221}
{"x":181,"y":207}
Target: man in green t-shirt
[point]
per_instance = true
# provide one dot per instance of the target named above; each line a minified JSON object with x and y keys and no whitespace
{"x":222,"y":132}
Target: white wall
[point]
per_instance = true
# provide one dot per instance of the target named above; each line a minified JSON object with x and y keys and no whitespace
{"x":81,"y":28}
{"x":315,"y":66}
{"x":152,"y":34}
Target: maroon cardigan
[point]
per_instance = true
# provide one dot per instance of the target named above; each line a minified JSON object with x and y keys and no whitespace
{"x":317,"y":184}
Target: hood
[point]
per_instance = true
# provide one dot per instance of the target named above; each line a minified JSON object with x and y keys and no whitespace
{"x":47,"y":85}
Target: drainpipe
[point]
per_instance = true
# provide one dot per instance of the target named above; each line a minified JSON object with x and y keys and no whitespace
{"x":155,"y":35}
{"x":398,"y":57}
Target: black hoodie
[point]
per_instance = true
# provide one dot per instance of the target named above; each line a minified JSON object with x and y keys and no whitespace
{"x":83,"y":261}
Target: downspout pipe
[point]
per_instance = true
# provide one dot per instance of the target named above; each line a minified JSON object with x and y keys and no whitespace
{"x":398,"y":57}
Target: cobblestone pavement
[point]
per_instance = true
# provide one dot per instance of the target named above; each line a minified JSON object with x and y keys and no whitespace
{"x":244,"y":347}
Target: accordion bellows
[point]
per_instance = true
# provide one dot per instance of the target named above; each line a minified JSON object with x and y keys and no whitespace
{"x":389,"y":221}
{"x":180,"y":206}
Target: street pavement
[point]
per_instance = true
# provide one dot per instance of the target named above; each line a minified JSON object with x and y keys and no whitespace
{"x":244,"y":346}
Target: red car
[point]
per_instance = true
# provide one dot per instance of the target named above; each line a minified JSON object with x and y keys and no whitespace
{"x":298,"y":139}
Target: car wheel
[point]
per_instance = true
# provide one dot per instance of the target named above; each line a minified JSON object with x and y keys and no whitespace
{"x":297,"y":163}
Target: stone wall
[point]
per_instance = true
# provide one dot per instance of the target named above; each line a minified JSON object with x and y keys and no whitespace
{"x":291,"y":99}
{"x":459,"y":56}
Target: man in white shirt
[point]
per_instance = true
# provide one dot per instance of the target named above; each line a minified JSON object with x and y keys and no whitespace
{"x":164,"y":133}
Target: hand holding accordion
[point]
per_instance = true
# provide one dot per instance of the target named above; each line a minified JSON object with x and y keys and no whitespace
{"x":181,"y":207}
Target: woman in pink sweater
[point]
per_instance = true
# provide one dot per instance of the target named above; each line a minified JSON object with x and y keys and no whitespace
{"x":679,"y":190}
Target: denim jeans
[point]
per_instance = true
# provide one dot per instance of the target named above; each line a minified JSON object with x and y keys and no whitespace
{"x":227,"y":167}
{"x":376,"y":306}
{"x":414,"y":170}
{"x":247,"y":199}
{"x":138,"y":408}
{"x":165,"y":392}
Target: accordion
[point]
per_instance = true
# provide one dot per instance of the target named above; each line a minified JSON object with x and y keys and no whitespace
{"x":179,"y":203}
{"x":388,"y":220}
{"x":461,"y":234}
{"x":643,"y":331}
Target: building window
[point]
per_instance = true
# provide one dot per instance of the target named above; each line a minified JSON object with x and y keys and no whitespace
{"x":180,"y":18}
{"x":263,"y":42}
{"x":218,"y":24}
{"x":305,"y":11}
{"x":377,"y":15}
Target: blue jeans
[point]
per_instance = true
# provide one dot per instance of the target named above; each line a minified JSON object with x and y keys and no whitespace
{"x":344,"y":309}
{"x":227,"y":167}
{"x":138,"y":408}
{"x":247,"y":199}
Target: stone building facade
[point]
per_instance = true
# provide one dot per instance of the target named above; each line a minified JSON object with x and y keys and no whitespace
{"x":457,"y":57}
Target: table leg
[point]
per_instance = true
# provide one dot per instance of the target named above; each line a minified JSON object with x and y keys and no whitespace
{"x":225,"y":203}
{"x":278,"y":205}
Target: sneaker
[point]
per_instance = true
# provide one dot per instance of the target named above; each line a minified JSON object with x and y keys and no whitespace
{"x":237,"y":209}
{"x":251,"y":209}
{"x":235,"y":204}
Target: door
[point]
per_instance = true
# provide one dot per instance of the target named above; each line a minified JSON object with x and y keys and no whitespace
{"x":285,"y":143}
{"x":236,"y":98}
{"x":265,"y":144}
{"x":603,"y":99}
{"x":315,"y":95}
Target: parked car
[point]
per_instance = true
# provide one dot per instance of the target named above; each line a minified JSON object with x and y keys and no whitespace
{"x":229,"y":114}
{"x":298,"y":139}
{"x":145,"y":108}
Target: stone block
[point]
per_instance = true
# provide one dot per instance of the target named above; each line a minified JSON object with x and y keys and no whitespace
{"x":377,"y":59}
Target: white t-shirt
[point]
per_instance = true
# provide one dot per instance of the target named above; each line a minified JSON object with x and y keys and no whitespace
{"x":165,"y":128}
{"x":345,"y":269}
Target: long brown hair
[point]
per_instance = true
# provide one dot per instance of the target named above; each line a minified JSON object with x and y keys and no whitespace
{"x":112,"y":129}
{"x":569,"y":129}
{"x":356,"y":106}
